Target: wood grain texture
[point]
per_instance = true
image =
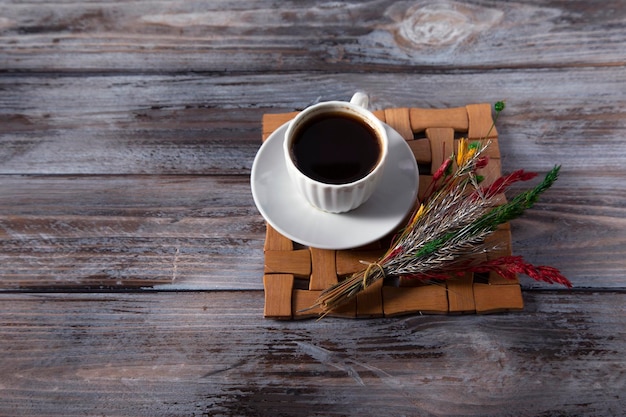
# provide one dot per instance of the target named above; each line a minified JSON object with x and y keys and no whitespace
{"x":199,"y":124}
{"x":131,"y":253}
{"x":142,"y":36}
{"x":195,"y":232}
{"x":203,"y":232}
{"x":214,"y":354}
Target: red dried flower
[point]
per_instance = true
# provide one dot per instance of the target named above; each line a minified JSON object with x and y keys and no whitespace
{"x":482,"y":162}
{"x":501,"y":184}
{"x":442,"y":170}
{"x":509,"y":266}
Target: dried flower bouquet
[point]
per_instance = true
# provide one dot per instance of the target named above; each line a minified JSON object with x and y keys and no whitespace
{"x":448,"y":230}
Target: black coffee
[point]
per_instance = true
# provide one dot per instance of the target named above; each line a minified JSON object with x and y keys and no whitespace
{"x":336,"y":148}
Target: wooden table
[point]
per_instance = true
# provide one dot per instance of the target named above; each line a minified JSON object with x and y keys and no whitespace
{"x":131,"y":252}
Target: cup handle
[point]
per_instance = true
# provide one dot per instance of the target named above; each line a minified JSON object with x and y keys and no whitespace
{"x":360,"y":99}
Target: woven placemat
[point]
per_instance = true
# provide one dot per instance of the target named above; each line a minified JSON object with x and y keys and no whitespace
{"x":295,"y":275}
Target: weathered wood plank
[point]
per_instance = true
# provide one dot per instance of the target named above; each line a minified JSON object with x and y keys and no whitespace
{"x":127,"y":133}
{"x":213,"y":354}
{"x":579,"y":226}
{"x":347,"y":36}
{"x":195,"y":124}
{"x":203,"y":232}
{"x":103,"y":232}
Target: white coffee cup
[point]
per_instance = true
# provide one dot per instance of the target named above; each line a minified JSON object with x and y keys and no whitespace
{"x":335,"y":153}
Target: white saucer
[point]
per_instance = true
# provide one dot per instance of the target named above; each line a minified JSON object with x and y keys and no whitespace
{"x":291,"y":215}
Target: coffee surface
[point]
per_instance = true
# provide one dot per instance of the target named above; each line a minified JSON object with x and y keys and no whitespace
{"x":336,"y":149}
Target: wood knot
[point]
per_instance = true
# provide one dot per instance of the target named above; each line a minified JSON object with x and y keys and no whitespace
{"x":441,"y":24}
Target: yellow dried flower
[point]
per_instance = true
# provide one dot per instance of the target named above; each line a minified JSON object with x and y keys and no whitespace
{"x":464,"y":152}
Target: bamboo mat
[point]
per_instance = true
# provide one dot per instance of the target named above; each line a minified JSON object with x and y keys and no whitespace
{"x":295,"y":275}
